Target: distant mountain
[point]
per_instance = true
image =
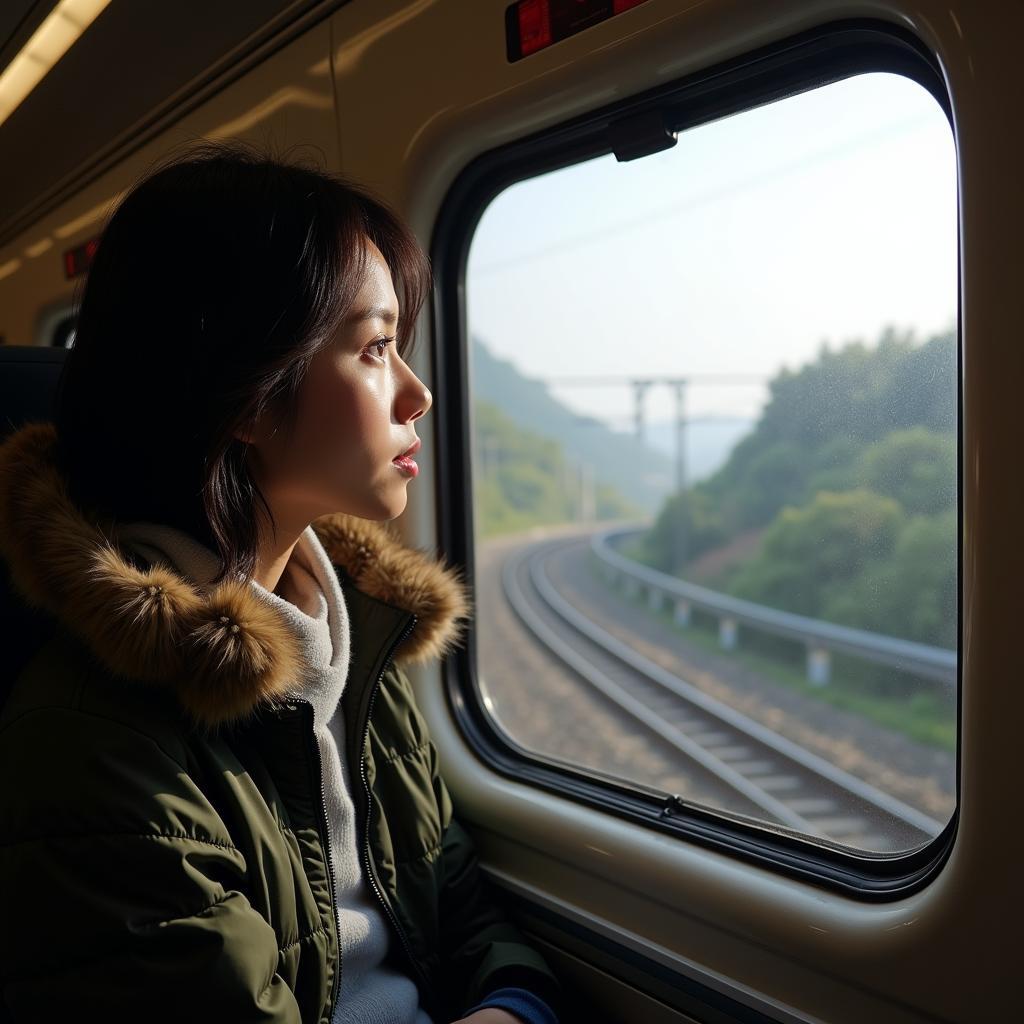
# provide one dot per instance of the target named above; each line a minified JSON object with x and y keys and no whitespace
{"x":639,"y":472}
{"x":522,"y":479}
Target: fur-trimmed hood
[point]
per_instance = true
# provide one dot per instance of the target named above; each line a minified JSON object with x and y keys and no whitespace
{"x":225,"y":651}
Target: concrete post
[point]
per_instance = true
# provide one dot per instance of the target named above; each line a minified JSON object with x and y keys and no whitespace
{"x":728,"y":630}
{"x":682,"y":612}
{"x":819,"y":666}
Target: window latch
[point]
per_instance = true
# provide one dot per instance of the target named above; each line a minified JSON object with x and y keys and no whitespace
{"x":640,"y":135}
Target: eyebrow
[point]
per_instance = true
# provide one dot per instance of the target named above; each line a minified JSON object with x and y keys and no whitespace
{"x":373,"y":313}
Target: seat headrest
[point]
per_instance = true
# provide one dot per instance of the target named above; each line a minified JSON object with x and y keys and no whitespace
{"x":28,"y":384}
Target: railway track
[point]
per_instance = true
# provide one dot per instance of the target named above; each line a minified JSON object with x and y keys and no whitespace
{"x":754,"y":769}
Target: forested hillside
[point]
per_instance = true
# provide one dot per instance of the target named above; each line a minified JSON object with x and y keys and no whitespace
{"x":524,"y":479}
{"x":845,"y":490}
{"x":620,"y":460}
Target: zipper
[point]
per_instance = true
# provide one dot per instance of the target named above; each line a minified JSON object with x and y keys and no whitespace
{"x":315,"y":747}
{"x":371,"y":873}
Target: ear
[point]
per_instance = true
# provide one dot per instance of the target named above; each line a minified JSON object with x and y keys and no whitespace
{"x":247,"y":432}
{"x":261,"y":426}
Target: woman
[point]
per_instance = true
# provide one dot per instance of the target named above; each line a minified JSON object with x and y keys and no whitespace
{"x":227,"y":805}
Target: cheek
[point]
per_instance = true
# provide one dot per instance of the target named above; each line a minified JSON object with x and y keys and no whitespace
{"x":338,"y":457}
{"x":343,"y":421}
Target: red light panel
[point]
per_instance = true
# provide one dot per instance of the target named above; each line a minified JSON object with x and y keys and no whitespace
{"x":532,"y":25}
{"x":78,"y":260}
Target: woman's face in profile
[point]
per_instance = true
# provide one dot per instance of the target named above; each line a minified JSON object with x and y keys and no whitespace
{"x":357,"y":411}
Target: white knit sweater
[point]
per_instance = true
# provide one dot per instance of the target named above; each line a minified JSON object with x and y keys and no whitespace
{"x":312,"y":601}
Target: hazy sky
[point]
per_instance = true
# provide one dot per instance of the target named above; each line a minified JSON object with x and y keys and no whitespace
{"x":754,"y":239}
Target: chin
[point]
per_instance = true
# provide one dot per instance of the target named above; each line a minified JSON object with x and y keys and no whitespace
{"x":396,"y":512}
{"x":378,"y":505}
{"x":384,"y":510}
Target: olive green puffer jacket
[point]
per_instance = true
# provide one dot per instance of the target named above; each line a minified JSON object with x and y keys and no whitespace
{"x":163,"y":843}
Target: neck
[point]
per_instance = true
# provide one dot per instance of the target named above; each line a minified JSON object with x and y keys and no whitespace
{"x":272,"y":558}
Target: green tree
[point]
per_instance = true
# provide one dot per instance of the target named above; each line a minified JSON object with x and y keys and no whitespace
{"x":835,"y":466}
{"x":819,"y":419}
{"x":913,"y":593}
{"x":851,"y":472}
{"x":916,"y":467}
{"x":687,"y":525}
{"x":807,"y":552}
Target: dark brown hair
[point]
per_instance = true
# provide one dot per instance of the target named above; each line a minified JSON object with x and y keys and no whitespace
{"x":217,"y":279}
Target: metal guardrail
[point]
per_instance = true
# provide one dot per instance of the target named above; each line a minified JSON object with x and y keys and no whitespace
{"x":820,"y":638}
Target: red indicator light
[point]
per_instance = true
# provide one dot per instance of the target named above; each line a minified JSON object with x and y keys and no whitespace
{"x":78,"y":260}
{"x":534,"y":26}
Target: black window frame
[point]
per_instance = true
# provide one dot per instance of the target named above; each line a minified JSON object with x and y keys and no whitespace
{"x":812,"y":59}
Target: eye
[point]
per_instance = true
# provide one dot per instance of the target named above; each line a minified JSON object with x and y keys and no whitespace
{"x":379,"y":346}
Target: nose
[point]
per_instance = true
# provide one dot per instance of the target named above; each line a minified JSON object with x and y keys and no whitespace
{"x":413,"y":398}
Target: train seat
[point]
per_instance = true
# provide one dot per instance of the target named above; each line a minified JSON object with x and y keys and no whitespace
{"x":28,"y":384}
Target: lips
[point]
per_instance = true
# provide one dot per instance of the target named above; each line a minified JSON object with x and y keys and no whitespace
{"x":405,"y":461}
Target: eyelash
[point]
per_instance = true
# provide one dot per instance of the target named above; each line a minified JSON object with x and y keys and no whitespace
{"x":380,"y":341}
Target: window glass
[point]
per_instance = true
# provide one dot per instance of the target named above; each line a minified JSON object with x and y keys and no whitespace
{"x":714,"y":421}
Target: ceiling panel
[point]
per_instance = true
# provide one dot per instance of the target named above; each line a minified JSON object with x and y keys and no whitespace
{"x":18,"y":20}
{"x":125,"y":67}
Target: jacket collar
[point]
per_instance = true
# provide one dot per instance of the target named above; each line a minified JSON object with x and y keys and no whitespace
{"x":226,"y":651}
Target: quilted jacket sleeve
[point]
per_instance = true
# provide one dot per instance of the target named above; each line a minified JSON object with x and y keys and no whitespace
{"x":120,"y":886}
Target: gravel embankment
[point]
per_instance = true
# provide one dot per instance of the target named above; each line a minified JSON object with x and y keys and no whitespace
{"x":549,"y":709}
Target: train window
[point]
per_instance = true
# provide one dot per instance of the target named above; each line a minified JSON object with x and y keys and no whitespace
{"x":714,"y":433}
{"x":64,"y":333}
